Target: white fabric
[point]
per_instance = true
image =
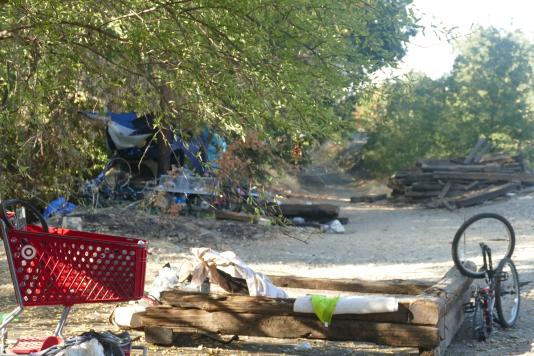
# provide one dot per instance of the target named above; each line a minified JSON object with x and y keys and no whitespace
{"x":120,"y":136}
{"x":88,"y":348}
{"x":207,"y":260}
{"x":352,"y":305}
{"x":166,"y":279}
{"x":128,"y":316}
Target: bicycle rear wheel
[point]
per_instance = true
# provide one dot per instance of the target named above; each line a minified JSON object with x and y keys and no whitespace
{"x":488,"y":228}
{"x":507,"y":294}
{"x":118,"y":174}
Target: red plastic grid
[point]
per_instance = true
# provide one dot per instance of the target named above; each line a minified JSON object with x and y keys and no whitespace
{"x":66,"y":267}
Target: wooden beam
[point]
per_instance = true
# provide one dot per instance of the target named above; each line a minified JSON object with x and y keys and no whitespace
{"x":313,"y":211}
{"x":471,"y":155}
{"x":235,"y":216}
{"x":283,"y":326}
{"x":480,"y":196}
{"x":233,"y":303}
{"x":431,"y":305}
{"x":395,"y":286}
{"x":486,"y":176}
{"x":490,"y":167}
{"x":445,"y":190}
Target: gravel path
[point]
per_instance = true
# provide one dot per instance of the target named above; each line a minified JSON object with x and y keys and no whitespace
{"x":381,"y":242}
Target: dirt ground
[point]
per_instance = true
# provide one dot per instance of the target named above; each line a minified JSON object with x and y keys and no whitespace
{"x":382,"y":241}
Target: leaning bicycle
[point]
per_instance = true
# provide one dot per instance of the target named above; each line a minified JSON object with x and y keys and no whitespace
{"x":476,"y":243}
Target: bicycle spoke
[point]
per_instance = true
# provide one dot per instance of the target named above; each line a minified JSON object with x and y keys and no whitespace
{"x":507,"y":293}
{"x":490,"y":229}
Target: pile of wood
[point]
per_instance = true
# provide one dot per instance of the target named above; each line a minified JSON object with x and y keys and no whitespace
{"x":428,"y":314}
{"x":462,"y":182}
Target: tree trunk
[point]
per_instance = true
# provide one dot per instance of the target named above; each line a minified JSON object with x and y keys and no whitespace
{"x":164,"y":135}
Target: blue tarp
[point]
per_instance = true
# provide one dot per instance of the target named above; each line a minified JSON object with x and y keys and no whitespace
{"x":58,"y":206}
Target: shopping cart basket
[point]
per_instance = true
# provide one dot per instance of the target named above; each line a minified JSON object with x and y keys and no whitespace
{"x":55,"y":266}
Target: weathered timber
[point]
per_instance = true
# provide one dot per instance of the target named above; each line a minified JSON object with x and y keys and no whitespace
{"x":424,"y":194}
{"x":431,"y":305}
{"x":422,"y":187}
{"x":445,"y":190}
{"x":427,"y":321}
{"x":487,"y":176}
{"x":477,"y":197}
{"x":481,"y":152}
{"x":283,"y":326}
{"x":233,"y":303}
{"x":313,"y":211}
{"x":490,"y":167}
{"x":452,"y":321}
{"x":235,"y":216}
{"x":166,"y":336}
{"x":395,"y":286}
{"x":471,"y":155}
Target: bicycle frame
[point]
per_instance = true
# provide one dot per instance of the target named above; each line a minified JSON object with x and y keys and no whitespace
{"x":485,"y":295}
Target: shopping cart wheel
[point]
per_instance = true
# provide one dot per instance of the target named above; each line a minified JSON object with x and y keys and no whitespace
{"x":11,"y":207}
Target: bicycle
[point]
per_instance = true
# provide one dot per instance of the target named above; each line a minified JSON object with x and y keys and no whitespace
{"x":501,"y":289}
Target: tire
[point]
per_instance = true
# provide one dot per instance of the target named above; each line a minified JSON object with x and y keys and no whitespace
{"x":480,"y":330}
{"x":489,"y":228}
{"x":507,"y":293}
{"x":5,"y":206}
{"x":118,"y":174}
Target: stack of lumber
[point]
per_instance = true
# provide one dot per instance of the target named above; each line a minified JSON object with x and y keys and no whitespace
{"x":427,"y":318}
{"x":462,"y":182}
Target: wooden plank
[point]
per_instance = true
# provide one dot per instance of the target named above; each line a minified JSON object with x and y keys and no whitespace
{"x":451,"y":323}
{"x":182,"y":336}
{"x":445,"y":190}
{"x":481,"y":152}
{"x":490,"y":167}
{"x":368,"y":198}
{"x":469,"y":158}
{"x":235,"y":216}
{"x":311,"y":211}
{"x":420,"y":186}
{"x":436,"y":301}
{"x":282,"y":326}
{"x":480,"y":196}
{"x":233,"y":303}
{"x":486,"y":176}
{"x":395,"y":286}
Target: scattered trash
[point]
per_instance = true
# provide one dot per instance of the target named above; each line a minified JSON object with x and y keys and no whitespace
{"x":334,"y":226}
{"x":91,"y":343}
{"x":72,"y":223}
{"x":303,"y":346}
{"x":166,"y":279}
{"x":264,"y":222}
{"x":299,"y":221}
{"x":186,"y":183}
{"x":58,"y":206}
{"x":225,"y":268}
{"x":127,"y":316}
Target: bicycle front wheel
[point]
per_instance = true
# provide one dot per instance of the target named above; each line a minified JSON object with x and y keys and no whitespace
{"x":488,"y":228}
{"x":507,"y":294}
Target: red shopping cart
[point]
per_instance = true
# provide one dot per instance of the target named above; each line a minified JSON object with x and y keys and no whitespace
{"x":55,"y":266}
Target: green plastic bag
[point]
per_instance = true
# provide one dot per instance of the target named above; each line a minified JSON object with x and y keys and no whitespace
{"x":324,"y":307}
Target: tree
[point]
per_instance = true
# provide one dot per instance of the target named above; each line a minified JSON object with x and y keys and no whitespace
{"x":489,"y":89}
{"x":270,"y":66}
{"x":403,"y":121}
{"x":486,"y":94}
